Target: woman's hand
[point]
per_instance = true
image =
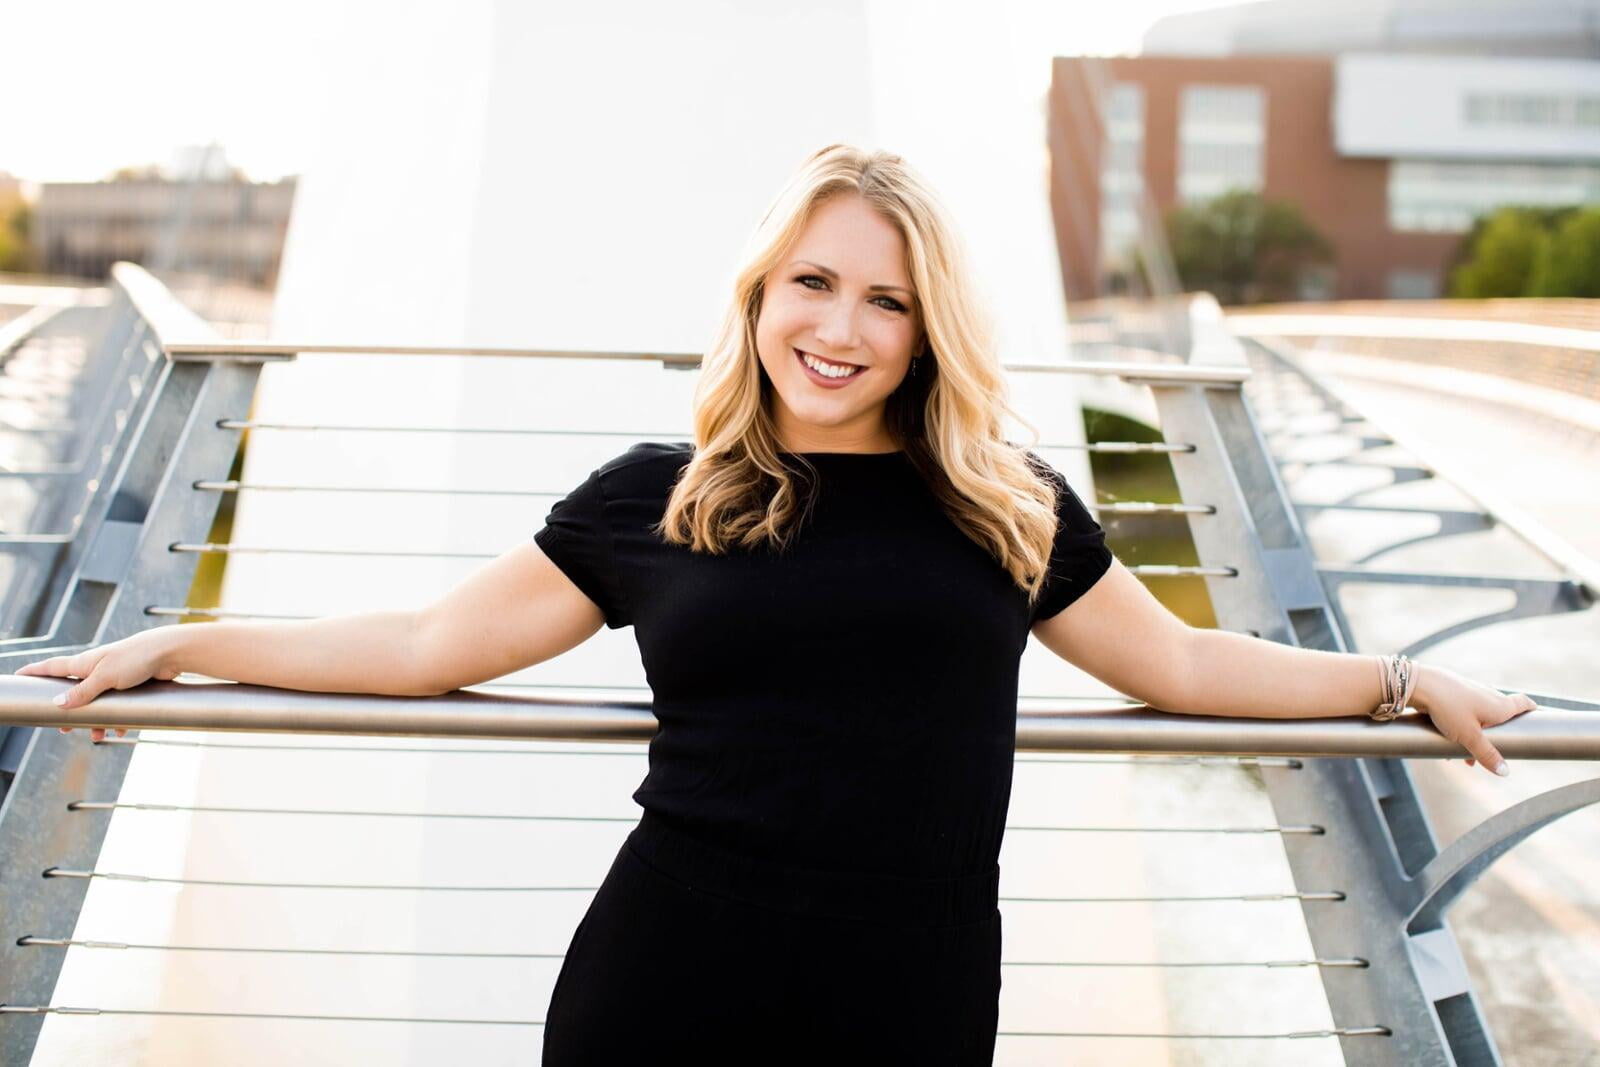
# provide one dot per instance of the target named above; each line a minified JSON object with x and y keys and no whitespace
{"x":1461,"y":709}
{"x":118,"y":665}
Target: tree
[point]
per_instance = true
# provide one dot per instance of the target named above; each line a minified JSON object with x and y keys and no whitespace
{"x":16,"y":224}
{"x":140,"y":172}
{"x":1244,"y":248}
{"x":1570,"y":261}
{"x":1502,"y":258}
{"x":1548,"y":218}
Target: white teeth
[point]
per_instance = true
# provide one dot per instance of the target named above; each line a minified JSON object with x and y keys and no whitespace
{"x":827,"y":369}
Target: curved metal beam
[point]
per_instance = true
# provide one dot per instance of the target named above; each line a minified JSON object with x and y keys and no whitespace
{"x":1447,"y":875}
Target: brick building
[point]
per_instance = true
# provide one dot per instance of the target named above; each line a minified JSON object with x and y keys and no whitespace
{"x":228,"y":229}
{"x":1391,"y":155}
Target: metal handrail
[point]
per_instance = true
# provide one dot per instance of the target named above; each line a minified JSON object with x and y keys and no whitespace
{"x":164,"y":313}
{"x":1109,"y":727}
{"x":1131,"y":371}
{"x":1410,"y":328}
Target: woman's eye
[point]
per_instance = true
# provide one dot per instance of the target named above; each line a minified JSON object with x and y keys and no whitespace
{"x":888,"y":303}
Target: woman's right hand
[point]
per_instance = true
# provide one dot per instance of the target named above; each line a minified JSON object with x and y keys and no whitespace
{"x":118,"y":665}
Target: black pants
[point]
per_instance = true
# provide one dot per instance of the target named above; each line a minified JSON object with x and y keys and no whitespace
{"x":693,"y":954}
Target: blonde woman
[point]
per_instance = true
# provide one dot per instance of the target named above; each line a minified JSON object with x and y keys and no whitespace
{"x":831,"y":590}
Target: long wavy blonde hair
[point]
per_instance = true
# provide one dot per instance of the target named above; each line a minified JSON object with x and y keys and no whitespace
{"x":738,"y":490}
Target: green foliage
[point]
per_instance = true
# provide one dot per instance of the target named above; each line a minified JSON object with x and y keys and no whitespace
{"x":1530,"y":251}
{"x":16,"y":222}
{"x":1503,"y":258}
{"x":1570,"y":265}
{"x":1244,"y":248}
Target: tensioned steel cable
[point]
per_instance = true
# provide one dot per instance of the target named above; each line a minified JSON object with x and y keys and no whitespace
{"x":30,"y":941}
{"x":279,"y":550}
{"x":211,"y":809}
{"x":514,"y":431}
{"x":116,"y":876}
{"x":676,"y":436}
{"x":221,"y":883}
{"x":1347,"y":1031}
{"x":21,"y":1009}
{"x":631,"y":749}
{"x":1176,"y":761}
{"x":202,"y":809}
{"x":628,"y":688}
{"x":1130,"y":506}
{"x":1155,"y":570}
{"x":1313,"y":830}
{"x":635,"y":749}
{"x":1190,"y":898}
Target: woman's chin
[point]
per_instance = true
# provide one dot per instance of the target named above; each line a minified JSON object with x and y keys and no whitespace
{"x":825,"y":416}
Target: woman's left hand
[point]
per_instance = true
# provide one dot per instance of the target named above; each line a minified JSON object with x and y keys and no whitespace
{"x":1462,"y":709}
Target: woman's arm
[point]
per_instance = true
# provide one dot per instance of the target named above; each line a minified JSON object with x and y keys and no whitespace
{"x":515,"y":611}
{"x":1124,"y":636}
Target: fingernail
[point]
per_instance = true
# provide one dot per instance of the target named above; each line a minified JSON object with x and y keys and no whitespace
{"x":59,"y":700}
{"x":1504,"y":770}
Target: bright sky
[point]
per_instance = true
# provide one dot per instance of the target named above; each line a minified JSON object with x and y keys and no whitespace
{"x":93,"y":85}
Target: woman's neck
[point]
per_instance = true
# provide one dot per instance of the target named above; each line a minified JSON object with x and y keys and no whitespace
{"x":799,"y":437}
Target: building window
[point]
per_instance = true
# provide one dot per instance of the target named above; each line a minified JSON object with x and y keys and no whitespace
{"x":1121,"y":176}
{"x":1445,"y":197}
{"x":1547,"y":110}
{"x":1404,"y":284}
{"x":1221,"y":140}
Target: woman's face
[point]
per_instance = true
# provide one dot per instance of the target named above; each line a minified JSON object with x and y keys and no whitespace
{"x":838,"y":326}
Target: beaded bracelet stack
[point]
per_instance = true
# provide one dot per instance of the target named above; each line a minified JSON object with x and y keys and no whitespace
{"x":1399,"y":679}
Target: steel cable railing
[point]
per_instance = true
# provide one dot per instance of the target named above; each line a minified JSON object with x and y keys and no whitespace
{"x":1588,"y":726}
{"x":1111,"y":735}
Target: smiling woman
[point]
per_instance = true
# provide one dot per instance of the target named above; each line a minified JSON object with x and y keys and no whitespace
{"x":831,"y":589}
{"x":822,"y":831}
{"x":854,"y":327}
{"x":832,"y":342}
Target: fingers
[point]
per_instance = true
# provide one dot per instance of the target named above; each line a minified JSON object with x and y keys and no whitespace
{"x":1512,"y":705}
{"x":91,"y":683}
{"x":64,"y":666}
{"x":77,"y":696}
{"x":55,"y":667}
{"x":96,"y":733}
{"x":1519,"y":704}
{"x":1485,"y":753}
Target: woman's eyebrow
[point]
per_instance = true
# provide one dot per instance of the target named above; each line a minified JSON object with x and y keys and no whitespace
{"x":834,"y":275}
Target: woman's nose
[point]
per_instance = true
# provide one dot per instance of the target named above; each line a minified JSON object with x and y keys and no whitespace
{"x":837,"y":329}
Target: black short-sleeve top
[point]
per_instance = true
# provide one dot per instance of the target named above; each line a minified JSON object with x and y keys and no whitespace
{"x":847,"y":704}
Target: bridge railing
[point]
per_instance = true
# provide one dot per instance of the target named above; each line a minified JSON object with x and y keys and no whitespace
{"x":1372,"y":883}
{"x":1290,"y":408}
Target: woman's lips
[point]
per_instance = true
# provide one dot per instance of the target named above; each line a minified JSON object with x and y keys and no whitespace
{"x":822,"y":379}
